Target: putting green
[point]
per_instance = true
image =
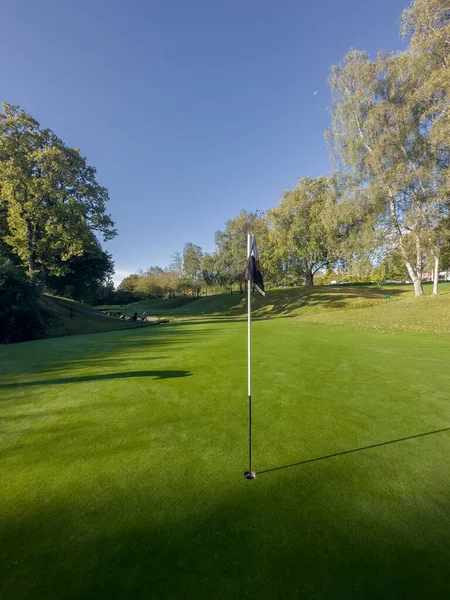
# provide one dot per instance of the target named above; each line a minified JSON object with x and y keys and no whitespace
{"x":123,"y":456}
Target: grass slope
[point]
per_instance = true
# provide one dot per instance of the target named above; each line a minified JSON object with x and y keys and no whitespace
{"x":359,"y":306}
{"x":425,"y":314}
{"x":289,"y":302}
{"x":62,"y":315}
{"x":123,"y":455}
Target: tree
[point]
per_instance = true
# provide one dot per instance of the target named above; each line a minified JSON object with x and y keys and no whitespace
{"x":5,"y":250}
{"x":192,"y":260}
{"x":391,"y":267}
{"x":445,"y":254}
{"x":19,"y":310}
{"x":390,"y":128}
{"x":208,"y":270}
{"x":129,"y":284}
{"x":171,"y":282}
{"x":176,"y":264}
{"x":149,"y":284}
{"x":50,"y":195}
{"x":84,"y":274}
{"x":105,"y":294}
{"x":304,"y":228}
{"x":427,"y":24}
{"x":231,"y":246}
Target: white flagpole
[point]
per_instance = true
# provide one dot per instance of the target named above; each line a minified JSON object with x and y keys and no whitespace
{"x":249,"y":474}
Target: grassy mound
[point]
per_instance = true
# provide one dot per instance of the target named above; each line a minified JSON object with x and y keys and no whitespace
{"x":290,"y":302}
{"x":63,"y":316}
{"x":329,"y":305}
{"x":425,"y":314}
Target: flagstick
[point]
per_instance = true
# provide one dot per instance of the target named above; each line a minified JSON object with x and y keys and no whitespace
{"x":249,"y":474}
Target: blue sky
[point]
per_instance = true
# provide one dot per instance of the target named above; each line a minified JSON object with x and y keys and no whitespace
{"x":190,"y":109}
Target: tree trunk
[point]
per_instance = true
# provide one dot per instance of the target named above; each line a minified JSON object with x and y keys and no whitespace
{"x":418,"y":259}
{"x":416,"y":277}
{"x":435,"y":275}
{"x":417,"y":281}
{"x":418,"y":289}
{"x":309,"y":280}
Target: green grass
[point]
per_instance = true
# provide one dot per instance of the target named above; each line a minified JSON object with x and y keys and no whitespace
{"x":123,"y":455}
{"x":62,"y":314}
{"x":281,"y":302}
{"x":154,"y":306}
{"x":426,"y":314}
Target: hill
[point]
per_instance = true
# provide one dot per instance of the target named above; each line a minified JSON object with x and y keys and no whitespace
{"x":62,"y":316}
{"x":379,"y":307}
{"x":428,"y":314}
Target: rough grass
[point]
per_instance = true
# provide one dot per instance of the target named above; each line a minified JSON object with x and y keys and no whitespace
{"x":123,"y":455}
{"x":425,"y":314}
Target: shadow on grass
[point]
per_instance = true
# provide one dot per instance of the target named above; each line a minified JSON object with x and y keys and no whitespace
{"x":280,"y":302}
{"x":135,"y":539}
{"x":289,"y":302}
{"x":100,"y":377}
{"x":106,"y":349}
{"x":311,"y":460}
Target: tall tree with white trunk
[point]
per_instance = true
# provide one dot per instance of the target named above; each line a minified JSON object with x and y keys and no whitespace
{"x":391,"y":132}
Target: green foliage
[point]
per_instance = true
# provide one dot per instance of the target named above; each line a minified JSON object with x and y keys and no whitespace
{"x":149,"y":283}
{"x":19,"y":310}
{"x":304,"y":229}
{"x":391,"y":132}
{"x":84,"y":275}
{"x":192,"y":267}
{"x":445,"y":249}
{"x":49,"y":195}
{"x":231,"y":246}
{"x":155,"y":282}
{"x":128,"y":285}
{"x":208,"y":266}
{"x":392,"y":267}
{"x":105,"y":294}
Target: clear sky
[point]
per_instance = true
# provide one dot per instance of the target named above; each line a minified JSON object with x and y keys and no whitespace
{"x":190,"y":109}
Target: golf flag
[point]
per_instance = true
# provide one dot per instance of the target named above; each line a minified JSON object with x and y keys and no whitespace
{"x":253,"y":269}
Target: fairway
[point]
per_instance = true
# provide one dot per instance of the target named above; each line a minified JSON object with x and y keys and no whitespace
{"x":123,"y":456}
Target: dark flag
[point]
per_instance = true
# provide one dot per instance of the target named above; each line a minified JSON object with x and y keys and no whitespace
{"x":253,"y":269}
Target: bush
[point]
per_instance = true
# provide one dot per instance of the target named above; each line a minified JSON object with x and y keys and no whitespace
{"x":19,"y":308}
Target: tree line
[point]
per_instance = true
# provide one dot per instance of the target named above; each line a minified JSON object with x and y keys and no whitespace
{"x":383,"y":211}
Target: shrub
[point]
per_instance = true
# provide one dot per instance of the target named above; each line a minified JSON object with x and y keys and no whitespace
{"x":19,"y":308}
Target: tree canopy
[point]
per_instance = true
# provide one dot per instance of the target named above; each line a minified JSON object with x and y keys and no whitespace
{"x":51,"y":201}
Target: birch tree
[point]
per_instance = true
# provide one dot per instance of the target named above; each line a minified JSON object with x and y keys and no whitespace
{"x":427,"y":24}
{"x":391,"y":130}
{"x":378,"y":131}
